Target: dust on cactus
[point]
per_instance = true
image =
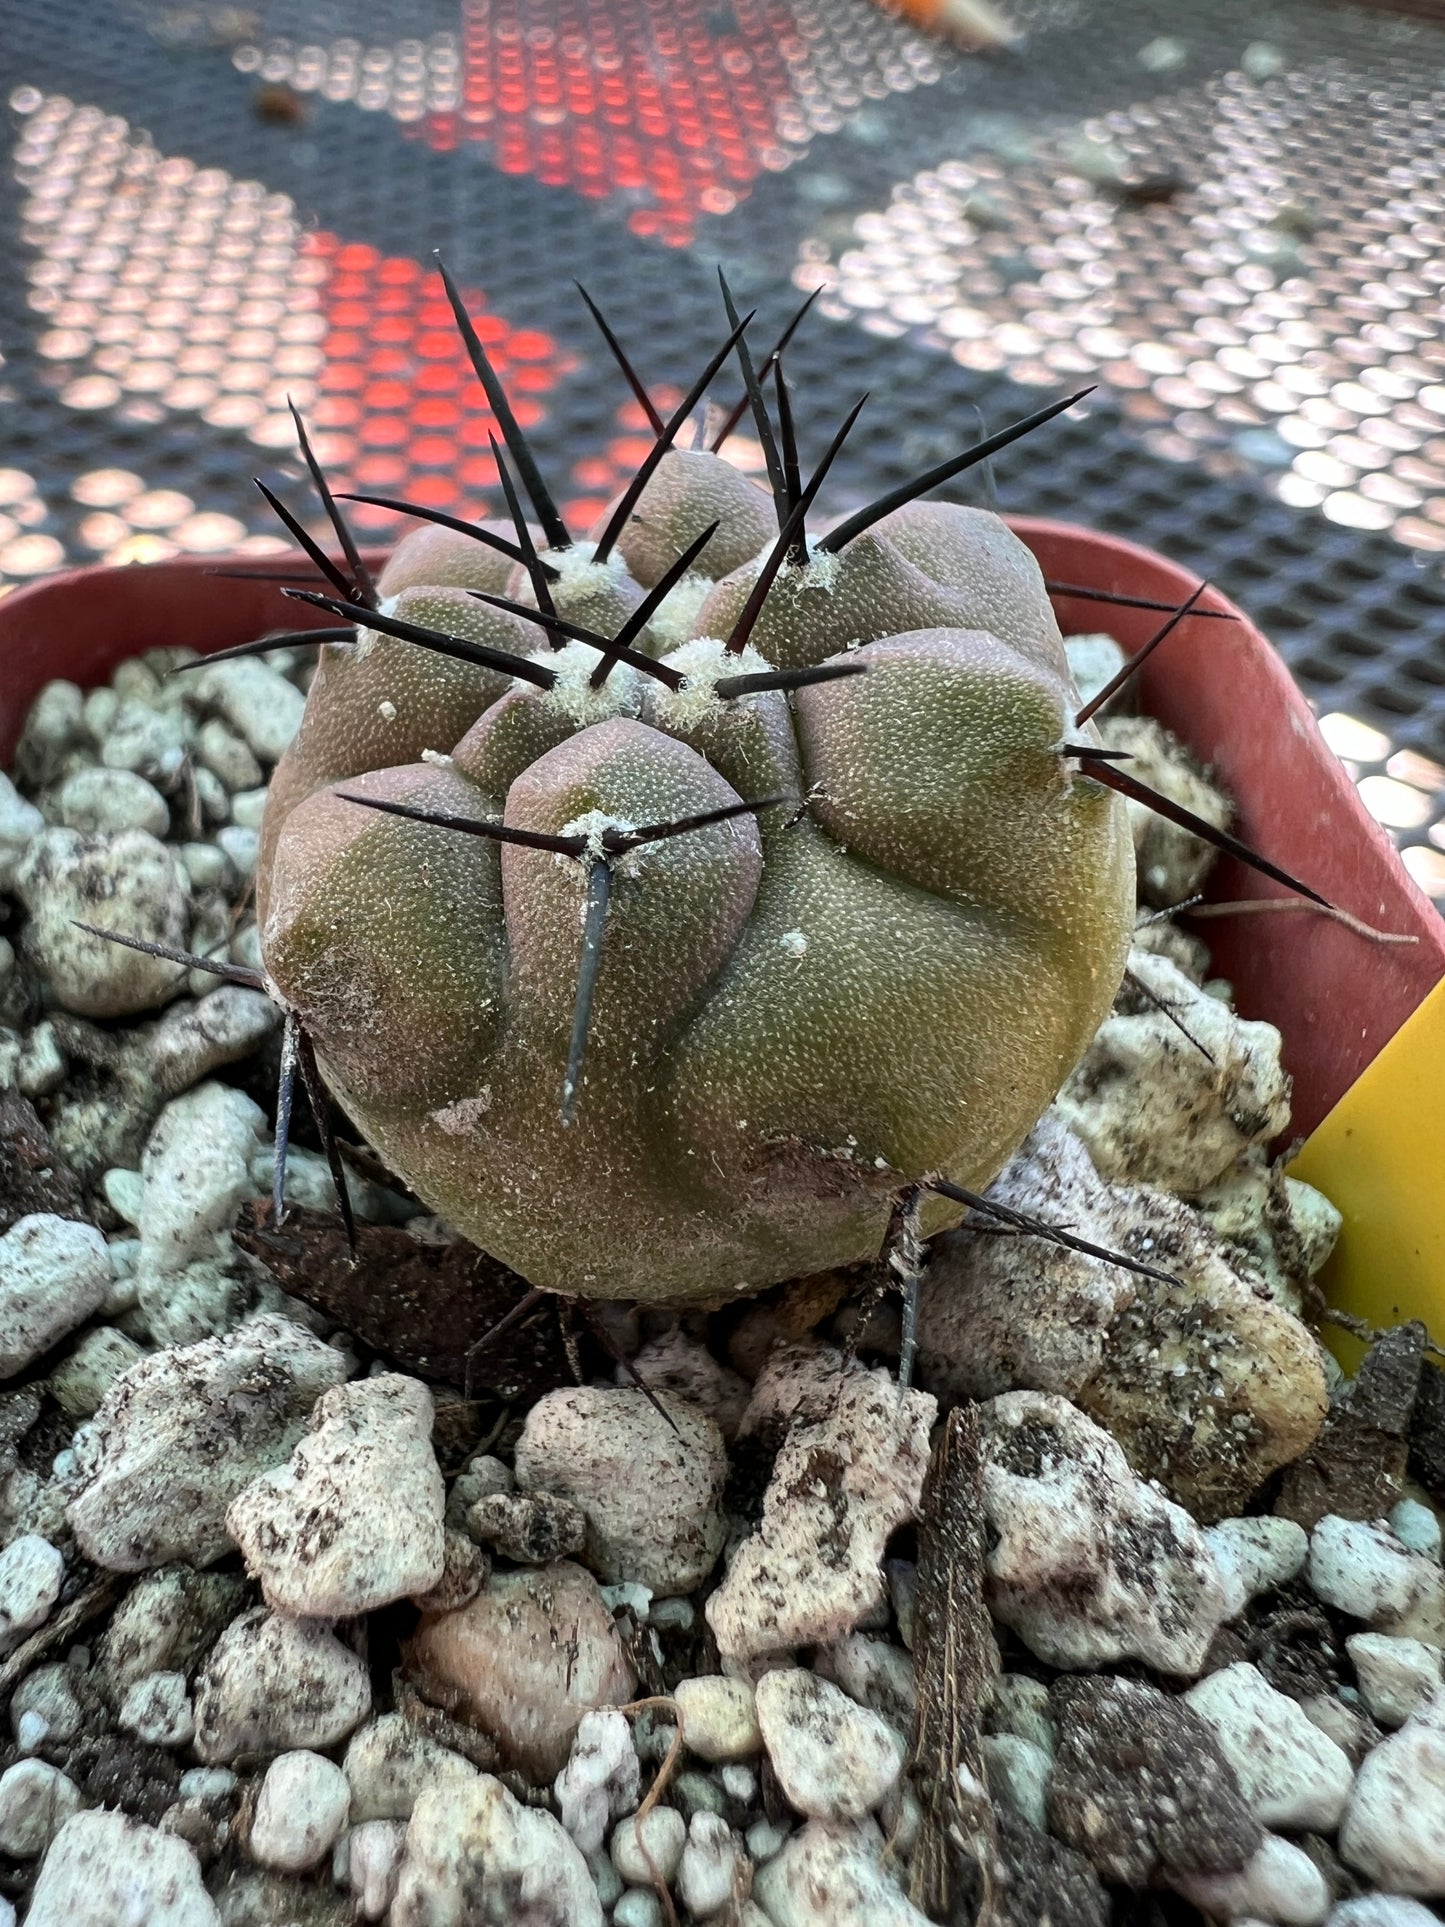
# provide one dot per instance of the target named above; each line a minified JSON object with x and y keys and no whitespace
{"x":665,"y":904}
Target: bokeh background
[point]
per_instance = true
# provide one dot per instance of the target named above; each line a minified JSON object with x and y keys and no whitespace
{"x":1231,"y":216}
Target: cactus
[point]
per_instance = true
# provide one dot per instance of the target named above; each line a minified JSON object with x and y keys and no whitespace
{"x":665,"y":904}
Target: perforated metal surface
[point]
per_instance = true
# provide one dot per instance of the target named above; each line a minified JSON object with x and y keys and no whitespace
{"x":1234,"y":219}
{"x":678,"y":108}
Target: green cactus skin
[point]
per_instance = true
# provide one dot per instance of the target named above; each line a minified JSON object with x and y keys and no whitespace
{"x":798,"y":1013}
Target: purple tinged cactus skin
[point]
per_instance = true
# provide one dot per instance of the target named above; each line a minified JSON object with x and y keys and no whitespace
{"x":380,"y":702}
{"x":885,"y":974}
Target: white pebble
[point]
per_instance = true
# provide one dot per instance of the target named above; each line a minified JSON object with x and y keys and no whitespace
{"x":354,"y":1520}
{"x":635,"y":1598}
{"x":272,"y":1684}
{"x":1094,"y":661}
{"x":638,"y":1907}
{"x":56,"y":722}
{"x":676,"y":1362}
{"x":226,"y":756}
{"x":473,"y":1852}
{"x":698,"y":1792}
{"x":240,"y":845}
{"x":1350,"y":1727}
{"x":1290,"y":1774}
{"x":31,"y":1730}
{"x":812,"y":1572}
{"x":1144,"y":1100}
{"x":257,"y":702}
{"x":1018,"y":1776}
{"x":20,"y":824}
{"x":765,"y":1838}
{"x":309,"y":1182}
{"x":834,"y":1759}
{"x":605,"y":1877}
{"x":181,"y":1432}
{"x":465,"y":1570}
{"x":125,"y":1193}
{"x":43,"y":1063}
{"x":601,"y":1779}
{"x":130,"y":883}
{"x":1090,"y":1563}
{"x":33,"y":1063}
{"x":660,"y":1836}
{"x":121,"y":1298}
{"x":206,"y":866}
{"x":81,"y":1380}
{"x":1256,"y":1555}
{"x":248,"y":808}
{"x":157,"y":1709}
{"x":1394,"y":1827}
{"x":31,"y":1571}
{"x":1417,"y":1527}
{"x":720,"y":1719}
{"x":54,"y":1274}
{"x":196,"y":1172}
{"x":373,"y":1861}
{"x":874,"y":1673}
{"x":102,"y":1869}
{"x":480,"y":1478}
{"x":211,"y":795}
{"x":738,"y":1782}
{"x":390,"y":1762}
{"x":99,"y":711}
{"x":300,"y":1812}
{"x":1363,"y":1570}
{"x":831,"y":1877}
{"x":140,"y":737}
{"x":49,"y":1693}
{"x":1396,"y":1675}
{"x":197,"y":1035}
{"x":36,"y":1800}
{"x":1020,"y":1704}
{"x":163,"y":1624}
{"x":207,"y":1783}
{"x":713,"y":1862}
{"x":1382,"y":1910}
{"x":650,"y":1487}
{"x":105,"y":801}
{"x":1278,"y":1883}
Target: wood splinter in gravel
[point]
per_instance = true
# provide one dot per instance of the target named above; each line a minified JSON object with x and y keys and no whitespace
{"x":955,"y":1862}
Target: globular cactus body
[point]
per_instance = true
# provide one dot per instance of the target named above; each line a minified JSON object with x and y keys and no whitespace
{"x":884,"y":971}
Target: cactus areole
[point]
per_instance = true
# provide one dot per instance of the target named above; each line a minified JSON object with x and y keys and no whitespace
{"x":661,"y":974}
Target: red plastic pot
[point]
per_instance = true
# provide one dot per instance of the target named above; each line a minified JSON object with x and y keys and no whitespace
{"x":1336,"y":997}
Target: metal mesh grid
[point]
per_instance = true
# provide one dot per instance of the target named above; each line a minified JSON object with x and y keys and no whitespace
{"x":676,"y":107}
{"x":188,"y":254}
{"x":1278,"y":303}
{"x":174,"y":290}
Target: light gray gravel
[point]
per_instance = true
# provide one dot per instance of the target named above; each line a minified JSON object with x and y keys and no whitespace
{"x":254,"y":1489}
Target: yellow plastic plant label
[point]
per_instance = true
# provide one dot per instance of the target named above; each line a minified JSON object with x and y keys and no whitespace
{"x":1380,"y":1157}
